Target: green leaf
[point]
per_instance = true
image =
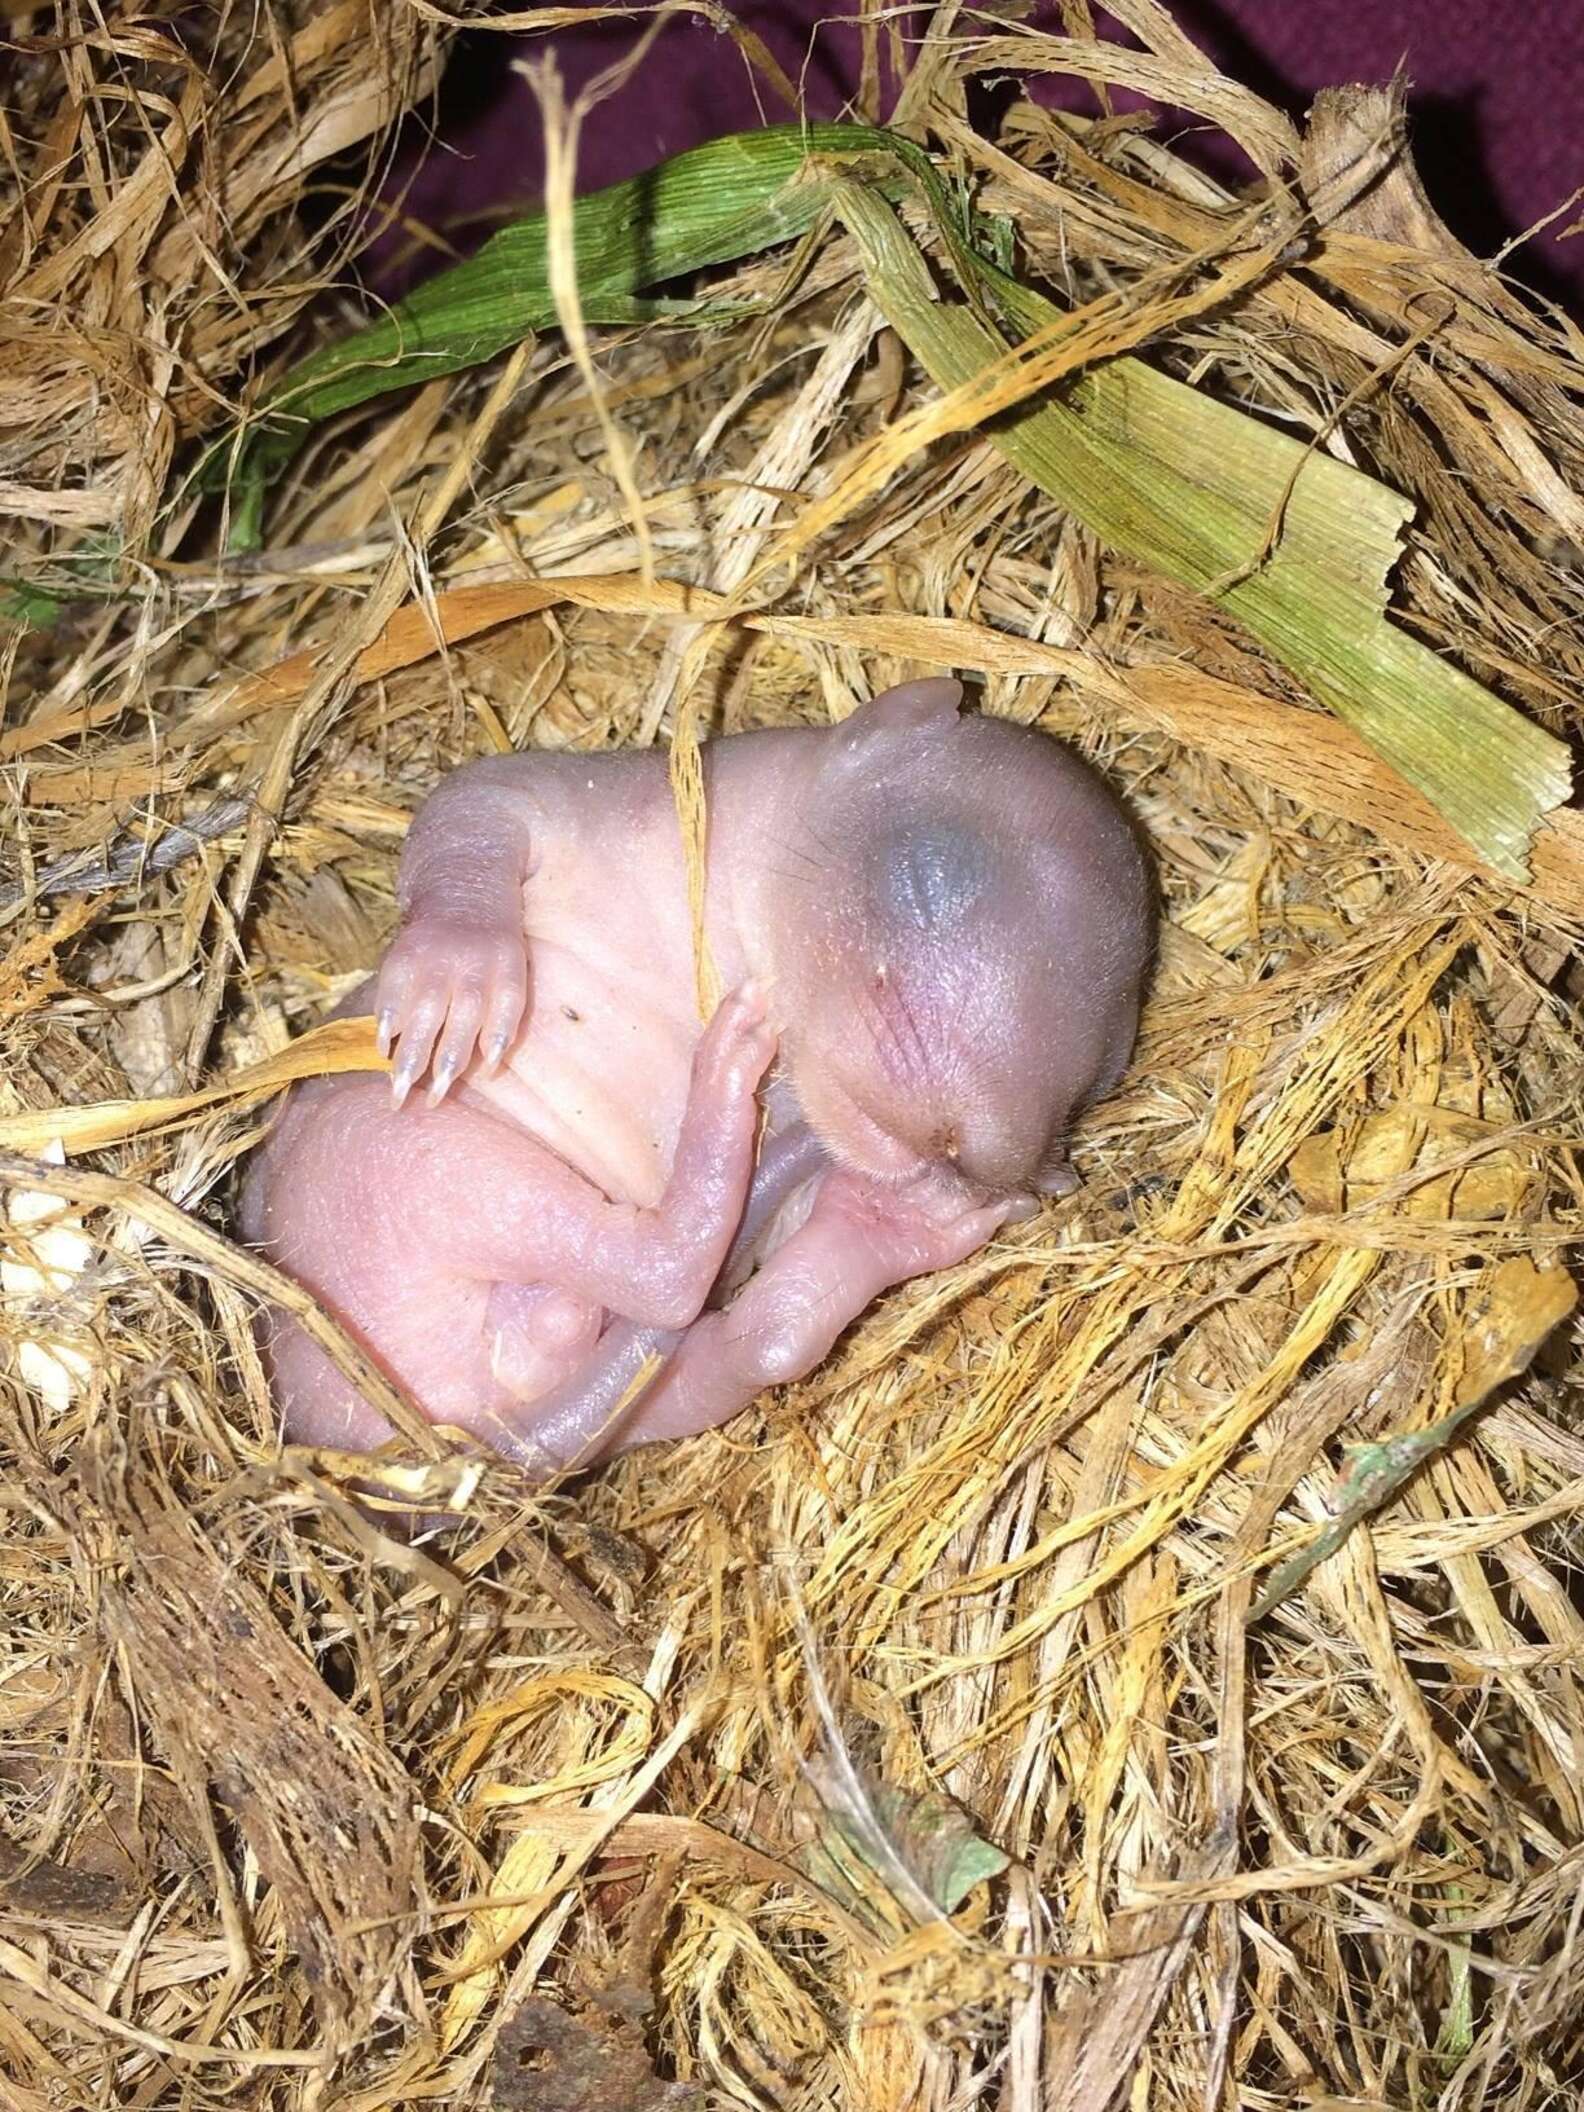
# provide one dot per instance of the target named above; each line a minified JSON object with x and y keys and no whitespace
{"x":928,"y":1833}
{"x":715,"y":204}
{"x":29,"y":608}
{"x":86,"y":573}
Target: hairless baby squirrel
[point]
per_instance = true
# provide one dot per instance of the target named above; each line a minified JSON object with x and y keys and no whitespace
{"x":937,"y":925}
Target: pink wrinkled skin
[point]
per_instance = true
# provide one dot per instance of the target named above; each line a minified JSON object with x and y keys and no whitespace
{"x":934,"y":930}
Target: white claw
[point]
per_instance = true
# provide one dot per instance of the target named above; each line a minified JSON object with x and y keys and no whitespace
{"x":385,"y":1030}
{"x":440,"y":1079}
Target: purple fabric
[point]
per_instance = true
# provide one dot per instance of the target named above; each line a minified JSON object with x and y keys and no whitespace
{"x":1496,"y":89}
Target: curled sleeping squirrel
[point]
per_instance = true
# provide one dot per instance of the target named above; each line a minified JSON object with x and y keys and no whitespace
{"x":934,"y":929}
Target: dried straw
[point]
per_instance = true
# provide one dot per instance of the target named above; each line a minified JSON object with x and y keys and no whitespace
{"x":567,"y":1804}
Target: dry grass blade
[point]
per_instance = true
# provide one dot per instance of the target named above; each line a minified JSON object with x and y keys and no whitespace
{"x":338,"y":1046}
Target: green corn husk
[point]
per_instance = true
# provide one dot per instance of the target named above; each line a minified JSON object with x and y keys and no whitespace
{"x":1191,"y":487}
{"x":1295,"y":544}
{"x":715,"y":204}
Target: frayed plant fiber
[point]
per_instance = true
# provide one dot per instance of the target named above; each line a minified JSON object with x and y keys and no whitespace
{"x":565,"y":1805}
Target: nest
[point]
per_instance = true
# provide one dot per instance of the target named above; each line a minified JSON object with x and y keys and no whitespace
{"x":1144,"y":1663}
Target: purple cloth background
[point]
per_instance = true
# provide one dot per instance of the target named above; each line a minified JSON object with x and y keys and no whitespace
{"x":1496,"y":90}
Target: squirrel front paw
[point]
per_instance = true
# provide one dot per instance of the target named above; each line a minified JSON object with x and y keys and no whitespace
{"x":444,"y":990}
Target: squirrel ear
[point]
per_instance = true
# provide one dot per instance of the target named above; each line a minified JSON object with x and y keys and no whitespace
{"x":911,"y":706}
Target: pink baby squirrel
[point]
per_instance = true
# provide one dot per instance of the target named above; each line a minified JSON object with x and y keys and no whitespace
{"x":940,"y":923}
